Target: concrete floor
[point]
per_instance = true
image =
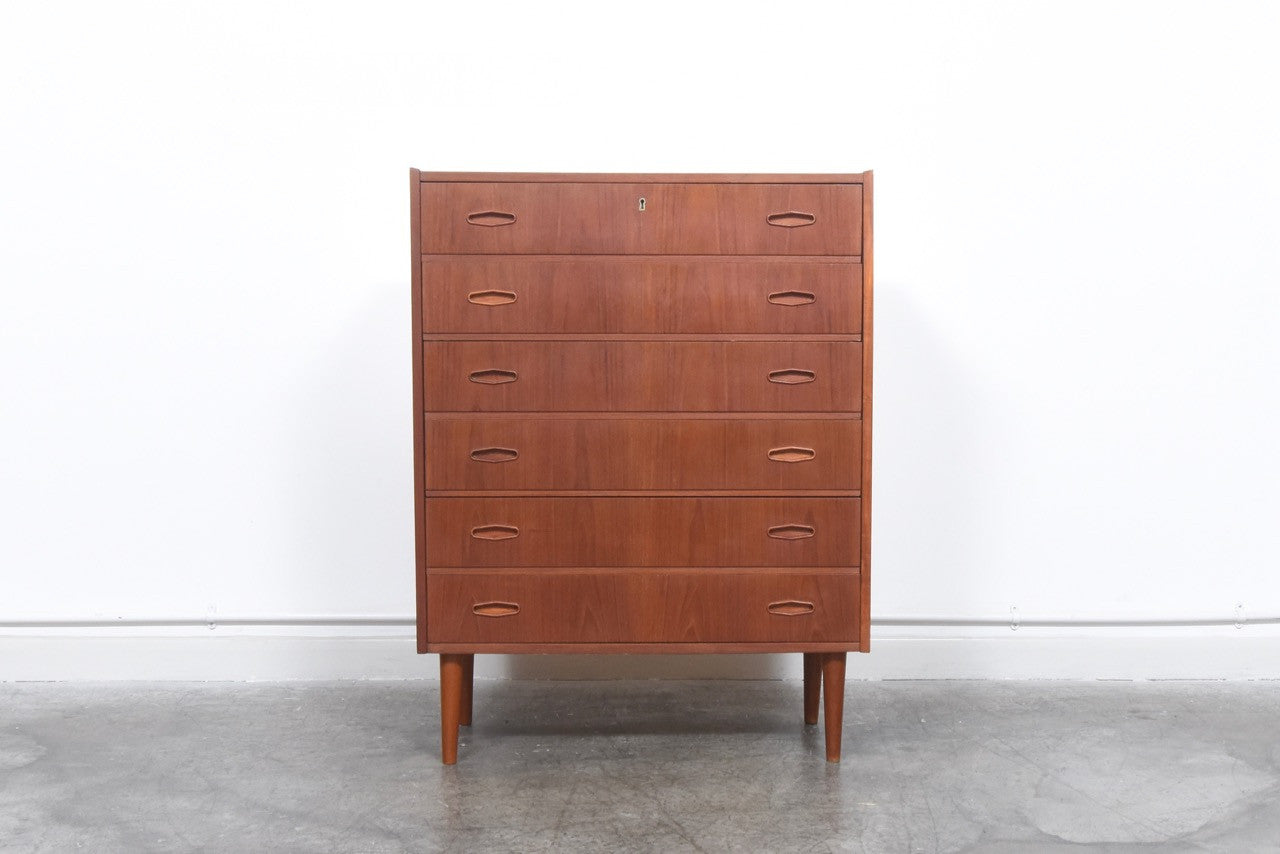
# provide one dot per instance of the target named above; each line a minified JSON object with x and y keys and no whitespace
{"x":641,"y":766}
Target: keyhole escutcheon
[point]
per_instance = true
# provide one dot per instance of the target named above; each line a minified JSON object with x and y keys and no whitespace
{"x":641,"y":205}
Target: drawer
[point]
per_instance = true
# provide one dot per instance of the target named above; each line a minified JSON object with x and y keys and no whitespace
{"x":477,"y":294}
{"x":676,"y":219}
{"x":617,"y":531}
{"x":642,"y":453}
{"x":642,"y":376}
{"x":642,"y":607}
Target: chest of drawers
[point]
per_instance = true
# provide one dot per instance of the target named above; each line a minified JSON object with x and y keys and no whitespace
{"x":642,"y":420}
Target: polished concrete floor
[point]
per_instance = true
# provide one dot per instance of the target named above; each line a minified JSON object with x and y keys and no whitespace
{"x":641,"y":766}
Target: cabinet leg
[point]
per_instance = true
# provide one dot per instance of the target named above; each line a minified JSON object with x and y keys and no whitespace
{"x":812,"y":685}
{"x":468,"y":677}
{"x":833,"y":702}
{"x":450,"y":705}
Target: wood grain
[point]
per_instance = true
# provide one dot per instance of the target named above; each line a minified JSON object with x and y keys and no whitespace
{"x":866,"y":405}
{"x":833,"y":702}
{"x":629,"y":532}
{"x":419,"y":475}
{"x":539,"y":295}
{"x":575,"y":376}
{"x":680,"y":219}
{"x":451,"y":679}
{"x":642,"y":454}
{"x":643,"y":607}
{"x":718,"y":648}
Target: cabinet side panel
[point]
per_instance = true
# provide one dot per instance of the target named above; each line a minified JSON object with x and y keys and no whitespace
{"x":419,"y":459}
{"x":867,"y":348}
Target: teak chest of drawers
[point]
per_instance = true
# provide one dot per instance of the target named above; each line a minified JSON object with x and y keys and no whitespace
{"x":642,"y":420}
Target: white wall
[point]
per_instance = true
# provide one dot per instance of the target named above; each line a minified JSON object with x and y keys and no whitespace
{"x":204,"y":316}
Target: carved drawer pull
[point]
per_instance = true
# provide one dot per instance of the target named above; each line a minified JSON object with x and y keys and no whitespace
{"x":791,"y":298}
{"x":791,"y":454}
{"x":498,"y":609}
{"x":791,"y":532}
{"x":495,"y":532}
{"x":491,"y":218}
{"x":791,"y":219}
{"x":791,"y":376}
{"x":495,"y":297}
{"x":493,"y":377}
{"x":494,"y":455}
{"x":791,"y":608}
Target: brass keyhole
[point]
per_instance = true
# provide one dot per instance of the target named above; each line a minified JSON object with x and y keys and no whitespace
{"x":642,"y":203}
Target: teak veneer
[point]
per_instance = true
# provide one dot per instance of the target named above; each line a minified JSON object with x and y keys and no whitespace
{"x":554,"y":455}
{"x":642,"y":420}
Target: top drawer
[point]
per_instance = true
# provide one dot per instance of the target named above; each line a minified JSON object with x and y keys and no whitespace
{"x":657,"y":219}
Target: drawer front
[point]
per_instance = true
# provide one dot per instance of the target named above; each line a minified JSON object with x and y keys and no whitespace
{"x":677,"y":219}
{"x":642,"y":453}
{"x":642,"y":376}
{"x":616,"y":531}
{"x":642,"y":607}
{"x":620,"y":295}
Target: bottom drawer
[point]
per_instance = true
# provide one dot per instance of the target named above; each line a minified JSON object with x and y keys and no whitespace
{"x":663,"y":606}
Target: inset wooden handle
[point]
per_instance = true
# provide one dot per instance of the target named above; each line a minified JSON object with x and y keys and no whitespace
{"x":491,"y":218}
{"x":790,"y":608}
{"x":495,"y":609}
{"x":791,"y":298}
{"x":495,"y":532}
{"x":494,"y":297}
{"x":494,"y":455}
{"x":792,"y":376}
{"x":493,"y":376}
{"x":791,"y":532}
{"x":791,"y":454}
{"x":791,"y":219}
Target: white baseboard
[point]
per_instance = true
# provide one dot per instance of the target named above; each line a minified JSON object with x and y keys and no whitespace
{"x":322,"y":652}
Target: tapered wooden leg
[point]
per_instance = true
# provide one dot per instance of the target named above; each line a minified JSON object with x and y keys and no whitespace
{"x":468,"y":674}
{"x":450,"y":705}
{"x":833,"y":701}
{"x":812,"y":685}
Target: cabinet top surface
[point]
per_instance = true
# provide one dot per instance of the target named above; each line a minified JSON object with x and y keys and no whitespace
{"x":646,"y":178}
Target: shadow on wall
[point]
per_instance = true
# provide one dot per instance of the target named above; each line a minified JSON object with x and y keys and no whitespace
{"x":349,"y":452}
{"x":930,"y":515}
